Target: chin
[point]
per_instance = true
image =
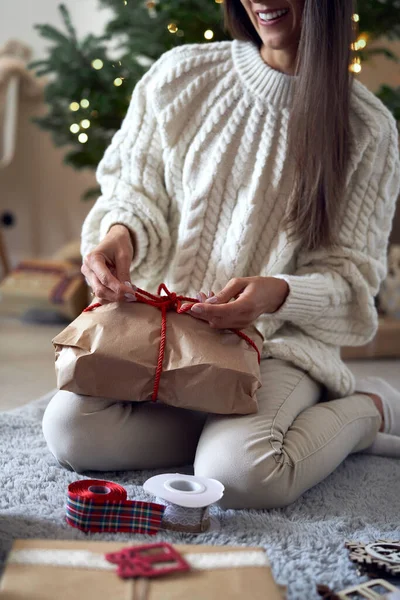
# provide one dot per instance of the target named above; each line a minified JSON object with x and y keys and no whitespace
{"x":275,"y":42}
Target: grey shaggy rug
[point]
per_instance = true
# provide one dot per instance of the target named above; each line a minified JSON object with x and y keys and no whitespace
{"x":305,"y":541}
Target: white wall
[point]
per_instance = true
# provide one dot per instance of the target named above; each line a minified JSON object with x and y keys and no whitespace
{"x":17,"y":18}
{"x":41,"y":192}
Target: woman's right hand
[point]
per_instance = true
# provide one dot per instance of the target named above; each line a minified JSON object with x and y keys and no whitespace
{"x":107,"y":267}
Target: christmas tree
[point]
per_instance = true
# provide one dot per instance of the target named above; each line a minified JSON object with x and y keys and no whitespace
{"x":90,"y":86}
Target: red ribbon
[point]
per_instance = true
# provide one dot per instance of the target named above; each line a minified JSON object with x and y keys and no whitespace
{"x":148,"y":560}
{"x":97,"y":505}
{"x":165,"y":303}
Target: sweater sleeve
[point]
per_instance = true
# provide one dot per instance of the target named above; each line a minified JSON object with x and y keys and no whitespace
{"x":331,"y":295}
{"x":131,"y":177}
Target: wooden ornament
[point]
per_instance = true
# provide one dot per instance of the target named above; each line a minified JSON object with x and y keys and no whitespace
{"x":381,"y":557}
{"x":368,"y":590}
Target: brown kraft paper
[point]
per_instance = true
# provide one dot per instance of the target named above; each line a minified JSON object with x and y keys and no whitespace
{"x":112,"y":352}
{"x":34,"y":582}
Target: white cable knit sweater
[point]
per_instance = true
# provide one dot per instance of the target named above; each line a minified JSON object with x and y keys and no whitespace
{"x":200,"y":172}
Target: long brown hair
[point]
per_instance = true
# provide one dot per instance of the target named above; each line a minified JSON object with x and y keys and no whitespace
{"x":319,"y":137}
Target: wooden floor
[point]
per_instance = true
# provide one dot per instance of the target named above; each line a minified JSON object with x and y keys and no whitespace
{"x":26,"y":362}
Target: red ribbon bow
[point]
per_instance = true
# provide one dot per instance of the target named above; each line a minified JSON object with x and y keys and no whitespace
{"x":165,"y":303}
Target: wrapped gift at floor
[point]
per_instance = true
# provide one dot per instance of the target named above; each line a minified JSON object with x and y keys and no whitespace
{"x":37,"y":569}
{"x":44,"y":286}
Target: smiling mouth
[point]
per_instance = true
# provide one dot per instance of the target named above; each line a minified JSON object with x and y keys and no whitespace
{"x":272,"y":16}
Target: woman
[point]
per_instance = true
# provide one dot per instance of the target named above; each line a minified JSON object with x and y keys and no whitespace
{"x":257,"y":169}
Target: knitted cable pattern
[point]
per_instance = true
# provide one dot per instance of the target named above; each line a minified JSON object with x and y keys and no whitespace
{"x":200,"y":172}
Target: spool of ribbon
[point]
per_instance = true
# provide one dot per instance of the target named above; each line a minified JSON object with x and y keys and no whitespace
{"x":96,"y":505}
{"x":170,"y":301}
{"x":187,"y":499}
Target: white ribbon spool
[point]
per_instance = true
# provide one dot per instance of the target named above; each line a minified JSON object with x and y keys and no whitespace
{"x":187,"y":498}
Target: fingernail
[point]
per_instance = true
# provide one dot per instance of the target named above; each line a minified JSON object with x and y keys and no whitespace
{"x":212,"y":300}
{"x":196,"y":308}
{"x":199,"y":297}
{"x":128,"y":283}
{"x":130,"y":297}
{"x":209,"y":294}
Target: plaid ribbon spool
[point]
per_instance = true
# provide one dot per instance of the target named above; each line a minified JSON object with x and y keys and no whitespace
{"x":97,"y":506}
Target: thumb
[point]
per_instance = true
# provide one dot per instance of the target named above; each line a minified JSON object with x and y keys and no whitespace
{"x":231,"y":290}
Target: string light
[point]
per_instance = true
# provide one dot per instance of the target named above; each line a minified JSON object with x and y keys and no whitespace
{"x":118,"y":81}
{"x":361,"y":43}
{"x":74,"y":106}
{"x":97,"y":64}
{"x":219,"y":1}
{"x":74,"y":128}
{"x":85,"y":123}
{"x":356,"y":67}
{"x":85,"y":103}
{"x":209,"y":34}
{"x":172,"y":28}
{"x":83,"y":138}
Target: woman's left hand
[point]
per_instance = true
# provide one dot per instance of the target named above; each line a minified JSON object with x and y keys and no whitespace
{"x":252,"y":296}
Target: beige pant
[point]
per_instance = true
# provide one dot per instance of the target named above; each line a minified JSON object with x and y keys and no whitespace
{"x":266,"y":460}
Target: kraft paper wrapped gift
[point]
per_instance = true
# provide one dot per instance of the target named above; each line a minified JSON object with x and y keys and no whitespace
{"x":113,"y":352}
{"x":44,"y":286}
{"x":48,"y":582}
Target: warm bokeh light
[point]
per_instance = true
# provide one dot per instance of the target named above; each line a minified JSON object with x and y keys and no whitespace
{"x":209,"y":34}
{"x":356,"y":17}
{"x":74,"y":128}
{"x":356,"y":67}
{"x":83,"y":138}
{"x":118,"y":81}
{"x":97,"y":64}
{"x":85,"y":103}
{"x":172,"y":28}
{"x":85,"y":123}
{"x":74,"y":106}
{"x":360,"y":43}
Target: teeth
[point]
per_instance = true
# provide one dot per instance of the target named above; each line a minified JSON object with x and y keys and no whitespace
{"x":273,"y":15}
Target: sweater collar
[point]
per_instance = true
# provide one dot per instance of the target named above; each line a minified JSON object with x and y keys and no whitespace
{"x":267,"y":83}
